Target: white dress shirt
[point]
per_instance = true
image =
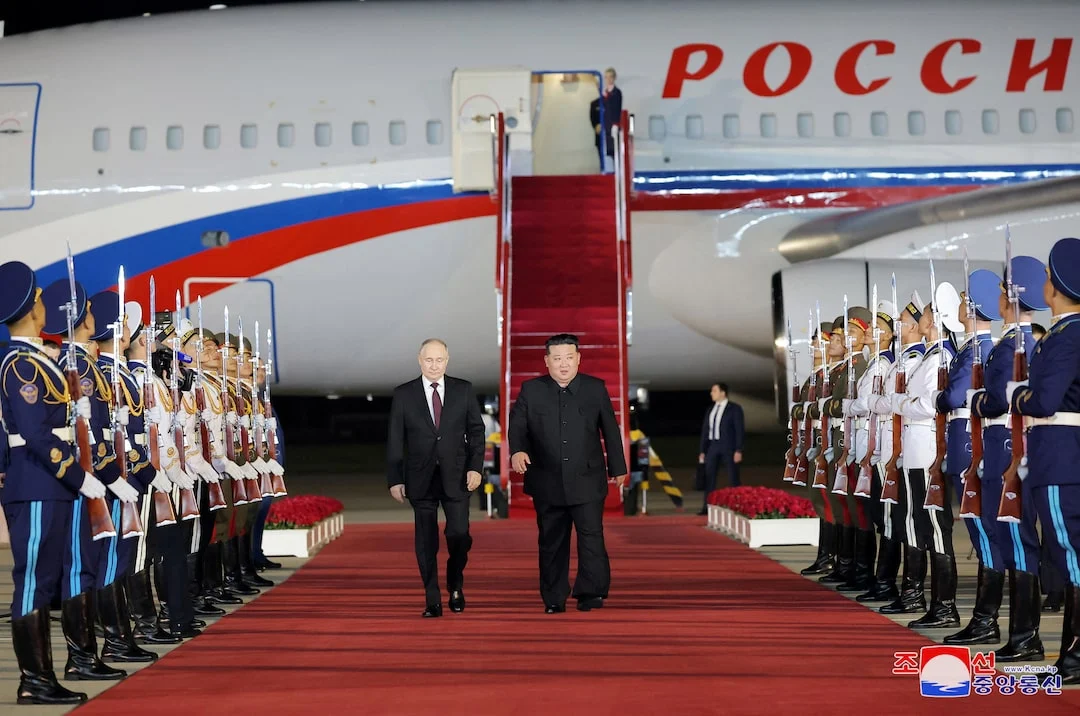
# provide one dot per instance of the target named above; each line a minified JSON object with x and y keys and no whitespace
{"x":714,"y":419}
{"x":428,"y":391}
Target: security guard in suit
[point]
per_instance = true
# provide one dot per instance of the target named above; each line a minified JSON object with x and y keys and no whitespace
{"x":41,"y":483}
{"x":983,"y":284}
{"x":85,"y":576}
{"x":1019,"y":543}
{"x":1050,"y":403}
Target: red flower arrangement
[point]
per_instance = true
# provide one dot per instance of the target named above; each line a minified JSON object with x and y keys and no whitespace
{"x":301,"y":512}
{"x":762,"y":503}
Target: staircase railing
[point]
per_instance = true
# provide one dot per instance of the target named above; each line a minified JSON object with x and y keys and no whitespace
{"x":623,"y":134}
{"x":502,"y":194}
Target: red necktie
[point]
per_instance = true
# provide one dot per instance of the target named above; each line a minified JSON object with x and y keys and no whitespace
{"x":436,"y":404}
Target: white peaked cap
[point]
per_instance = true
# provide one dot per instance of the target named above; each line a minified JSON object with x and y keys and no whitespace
{"x":917,"y":301}
{"x":887,"y":308}
{"x":947,"y":303}
{"x":133,"y":312}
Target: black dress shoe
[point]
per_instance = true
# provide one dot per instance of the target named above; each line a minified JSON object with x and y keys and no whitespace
{"x":587,"y":605}
{"x":206,"y":609}
{"x":457,"y":601}
{"x":185,"y":632}
{"x":433,"y":610}
{"x":264,"y":563}
{"x":703,"y":511}
{"x":555,"y":609}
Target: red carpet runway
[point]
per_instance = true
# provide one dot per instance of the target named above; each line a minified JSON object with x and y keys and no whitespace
{"x":696,"y":624}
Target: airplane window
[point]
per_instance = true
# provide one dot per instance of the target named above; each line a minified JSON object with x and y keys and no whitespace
{"x":1064,"y":120}
{"x":954,"y":122}
{"x":249,"y":136}
{"x":731,"y":126}
{"x":286,"y":134}
{"x":101,"y":139}
{"x":805,"y":124}
{"x":990,"y":121}
{"x":695,"y":126}
{"x":657,"y":128}
{"x":879,"y":124}
{"x":434,"y":131}
{"x":916,"y":124}
{"x":211,"y":136}
{"x":324,"y":134}
{"x":137,"y":139}
{"x":174,"y":138}
{"x":397,"y":132}
{"x":842,"y":124}
{"x":359,"y":134}
{"x":768,"y":125}
{"x":1027,"y":121}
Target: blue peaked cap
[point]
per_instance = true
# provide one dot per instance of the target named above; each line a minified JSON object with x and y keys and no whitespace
{"x":18,"y":291}
{"x":55,"y":297}
{"x":105,"y":307}
{"x":1029,"y":274}
{"x":985,"y":287}
{"x":1064,"y":267}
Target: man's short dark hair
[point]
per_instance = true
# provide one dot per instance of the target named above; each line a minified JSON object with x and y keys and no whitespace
{"x":721,"y":385}
{"x":561,"y":339}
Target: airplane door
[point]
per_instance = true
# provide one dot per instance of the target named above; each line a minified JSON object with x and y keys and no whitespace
{"x":476,"y":95}
{"x":18,"y":127}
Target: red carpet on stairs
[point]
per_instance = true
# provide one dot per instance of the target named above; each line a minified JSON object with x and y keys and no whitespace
{"x":696,"y":624}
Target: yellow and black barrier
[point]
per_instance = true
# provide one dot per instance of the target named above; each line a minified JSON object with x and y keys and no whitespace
{"x":656,"y":467}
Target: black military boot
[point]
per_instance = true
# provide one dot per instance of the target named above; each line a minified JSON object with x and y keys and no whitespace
{"x":140,"y":599}
{"x":1025,"y":612}
{"x":888,"y":565}
{"x":234,"y":576}
{"x":119,"y":640}
{"x":247,"y":565}
{"x":212,"y":572}
{"x":942,"y":612}
{"x":199,"y":603}
{"x":1054,"y":600}
{"x":1068,"y":664}
{"x":33,"y":650}
{"x":911,"y":597}
{"x":983,"y":627}
{"x":826,"y":551}
{"x":845,"y":556}
{"x":83,"y":663}
{"x":862,"y":575}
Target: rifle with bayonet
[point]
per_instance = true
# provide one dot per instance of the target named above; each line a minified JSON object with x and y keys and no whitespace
{"x":276,"y":479}
{"x":821,"y":462}
{"x":266,"y":488}
{"x":130,"y":524}
{"x":101,"y":524}
{"x":890,"y":489}
{"x":971,"y":502}
{"x":866,"y":471}
{"x":239,"y":490}
{"x":214,"y":495}
{"x":840,"y":483}
{"x":251,"y":485}
{"x":791,"y":458}
{"x":1009,"y":509}
{"x":935,"y":486}
{"x":189,"y":505}
{"x":163,"y":508}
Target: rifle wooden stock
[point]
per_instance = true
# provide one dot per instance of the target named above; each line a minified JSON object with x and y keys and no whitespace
{"x":935,"y":486}
{"x":1010,"y":508}
{"x":971,"y":503}
{"x":266,"y":488}
{"x":251,"y":485}
{"x":864,"y":484}
{"x":101,"y":524}
{"x":277,"y":481}
{"x":790,"y":458}
{"x":130,"y":524}
{"x":802,"y":463}
{"x":821,"y":464}
{"x":840,"y":486}
{"x":214,"y":496}
{"x":890,"y":489}
{"x":189,"y":505}
{"x":239,"y":492}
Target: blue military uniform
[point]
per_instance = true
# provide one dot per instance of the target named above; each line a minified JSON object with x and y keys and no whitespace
{"x":42,"y":478}
{"x":983,"y":627}
{"x":1050,"y":402}
{"x":1019,"y":543}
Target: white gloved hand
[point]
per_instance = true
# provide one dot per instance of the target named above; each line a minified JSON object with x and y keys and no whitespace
{"x":897,"y":402}
{"x":124,"y":491}
{"x":260,"y":465}
{"x":161,"y":482}
{"x":234,"y":470}
{"x":123,"y":415}
{"x":275,"y":467}
{"x":249,"y":471}
{"x":271,"y":424}
{"x":219,"y":464}
{"x":231,"y":417}
{"x":155,"y":415}
{"x":185,"y":480}
{"x":92,"y":487}
{"x":208,"y":416}
{"x":208,"y":473}
{"x":245,"y":422}
{"x":1011,"y":387}
{"x":846,"y":405}
{"x":260,"y":421}
{"x":82,"y":406}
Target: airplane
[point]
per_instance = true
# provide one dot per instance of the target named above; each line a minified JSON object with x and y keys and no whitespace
{"x":297,"y":163}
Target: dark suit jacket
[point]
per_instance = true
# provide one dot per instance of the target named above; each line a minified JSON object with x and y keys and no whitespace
{"x":564,"y":443}
{"x":415,"y":447}
{"x":612,"y":115}
{"x":732,"y":428}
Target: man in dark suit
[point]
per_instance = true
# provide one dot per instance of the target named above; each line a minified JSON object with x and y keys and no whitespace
{"x":435,"y":455}
{"x":722,"y":433}
{"x":555,"y":428}
{"x":611,"y":96}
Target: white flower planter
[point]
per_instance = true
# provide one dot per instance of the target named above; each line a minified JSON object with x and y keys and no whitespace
{"x":760,"y":533}
{"x":302,"y":543}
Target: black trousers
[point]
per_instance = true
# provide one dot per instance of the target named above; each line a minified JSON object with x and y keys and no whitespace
{"x":922,"y":528}
{"x":167,"y":547}
{"x":714,"y":458}
{"x":553,"y":523}
{"x":458,"y":539}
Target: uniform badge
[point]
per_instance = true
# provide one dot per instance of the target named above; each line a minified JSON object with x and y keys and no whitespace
{"x":133,"y":455}
{"x":171,"y":452}
{"x":87,"y":387}
{"x":29,"y":392}
{"x":101,"y":449}
{"x":55,"y":455}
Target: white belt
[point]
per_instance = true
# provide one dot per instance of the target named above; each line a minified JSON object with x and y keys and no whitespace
{"x":816,"y":425}
{"x":64,"y":434}
{"x":1071,"y":420}
{"x":140,"y":439}
{"x":1004,"y":420}
{"x":929,"y":422}
{"x":960,"y":414}
{"x":861,"y":423}
{"x":106,"y":433}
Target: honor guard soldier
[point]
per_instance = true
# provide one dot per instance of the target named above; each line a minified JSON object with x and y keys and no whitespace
{"x":271,"y":432}
{"x":119,"y":556}
{"x":42,"y":479}
{"x":933,"y":528}
{"x":804,"y":410}
{"x":979,"y":306}
{"x":248,"y":420}
{"x":911,"y":598}
{"x":883,"y":588}
{"x":1019,"y":543}
{"x":1050,"y":403}
{"x":858,"y":533}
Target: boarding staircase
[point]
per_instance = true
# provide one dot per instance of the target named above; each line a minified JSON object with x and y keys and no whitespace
{"x":563,"y":266}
